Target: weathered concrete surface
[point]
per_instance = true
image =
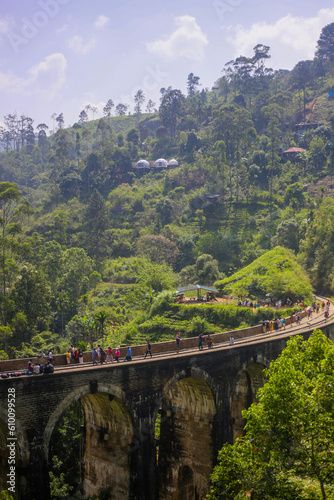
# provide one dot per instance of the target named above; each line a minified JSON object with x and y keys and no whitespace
{"x":199,"y":397}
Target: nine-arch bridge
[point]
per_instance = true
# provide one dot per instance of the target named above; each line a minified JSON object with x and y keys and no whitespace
{"x":198,"y":397}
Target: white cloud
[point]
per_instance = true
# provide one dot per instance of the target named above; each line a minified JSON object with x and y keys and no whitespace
{"x":188,"y":40}
{"x":49,"y":75}
{"x":5,"y":23}
{"x":78,"y":46}
{"x":101,"y":21}
{"x":46,"y":77}
{"x":291,"y":38}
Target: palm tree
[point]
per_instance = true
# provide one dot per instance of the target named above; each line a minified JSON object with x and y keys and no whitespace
{"x":100,"y":318}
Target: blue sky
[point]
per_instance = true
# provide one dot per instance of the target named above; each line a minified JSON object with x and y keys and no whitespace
{"x":57,"y":56}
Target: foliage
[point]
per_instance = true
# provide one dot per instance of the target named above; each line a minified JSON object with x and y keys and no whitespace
{"x":104,"y":236}
{"x":161,"y":303}
{"x":287,"y":451}
{"x":66,"y":451}
{"x":276,"y":273}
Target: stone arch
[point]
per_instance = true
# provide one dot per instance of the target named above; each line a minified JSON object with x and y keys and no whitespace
{"x":250,"y":379}
{"x":108,"y":439}
{"x":108,"y":435}
{"x":69,"y":399}
{"x":190,"y":410}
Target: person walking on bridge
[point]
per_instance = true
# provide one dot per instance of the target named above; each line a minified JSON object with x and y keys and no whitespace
{"x":178,"y":340}
{"x":148,"y":349}
{"x":200,"y":341}
{"x":94,"y":356}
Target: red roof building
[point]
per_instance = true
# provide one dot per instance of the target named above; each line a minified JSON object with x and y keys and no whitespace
{"x":290,"y":154}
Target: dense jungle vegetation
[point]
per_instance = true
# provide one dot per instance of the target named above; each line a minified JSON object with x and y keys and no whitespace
{"x":92,"y":246}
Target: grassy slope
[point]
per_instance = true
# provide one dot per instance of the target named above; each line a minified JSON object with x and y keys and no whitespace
{"x":277,"y":272}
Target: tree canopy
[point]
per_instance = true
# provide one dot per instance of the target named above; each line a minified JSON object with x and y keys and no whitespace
{"x":287,"y":451}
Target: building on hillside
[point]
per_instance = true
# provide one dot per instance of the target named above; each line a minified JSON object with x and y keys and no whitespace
{"x":172,"y":163}
{"x":160,"y":163}
{"x":300,"y":128}
{"x":142,"y":164}
{"x":292,"y":153}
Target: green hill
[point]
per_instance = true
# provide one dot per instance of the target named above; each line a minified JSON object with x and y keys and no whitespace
{"x":276,"y":274}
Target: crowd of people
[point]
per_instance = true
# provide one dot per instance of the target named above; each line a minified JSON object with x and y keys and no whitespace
{"x":74,"y":355}
{"x":99,"y":355}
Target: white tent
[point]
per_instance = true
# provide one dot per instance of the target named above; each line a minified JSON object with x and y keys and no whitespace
{"x":173,"y":163}
{"x":142,"y":164}
{"x":161,"y":163}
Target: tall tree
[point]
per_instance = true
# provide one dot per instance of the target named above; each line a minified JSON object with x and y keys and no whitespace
{"x":12,"y":209}
{"x":101,"y":318}
{"x":83,"y":117}
{"x":31,"y":296}
{"x":139,"y":99}
{"x":171,"y":109}
{"x":301,"y":76}
{"x":325,"y":45}
{"x":96,"y":223}
{"x":235,"y":127}
{"x":150,"y":106}
{"x":192,"y":84}
{"x":60,"y":121}
{"x":107,"y":110}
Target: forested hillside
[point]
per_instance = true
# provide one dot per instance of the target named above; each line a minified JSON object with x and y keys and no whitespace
{"x":90,"y":244}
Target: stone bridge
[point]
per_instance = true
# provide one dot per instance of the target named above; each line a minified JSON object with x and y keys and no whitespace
{"x":195,"y":397}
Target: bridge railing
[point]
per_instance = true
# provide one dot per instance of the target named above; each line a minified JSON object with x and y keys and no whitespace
{"x":138,"y":350}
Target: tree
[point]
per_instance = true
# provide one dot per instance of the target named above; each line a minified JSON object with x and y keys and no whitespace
{"x":100,"y":319}
{"x":13,"y":207}
{"x":139,"y":98}
{"x":204,"y":272}
{"x":171,"y":109}
{"x":133,"y":136}
{"x":60,"y":121}
{"x":325,"y":45}
{"x":317,"y":248}
{"x":31,"y":296}
{"x":235,"y":127}
{"x":121,"y":109}
{"x":75,"y":268}
{"x":150,"y":106}
{"x":288,"y":447}
{"x":287,"y":235}
{"x":83,"y":117}
{"x":96,"y":223}
{"x":42,"y":137}
{"x":164,"y":210}
{"x":158,"y":249}
{"x":108,"y":108}
{"x":192,"y":84}
{"x":301,"y":76}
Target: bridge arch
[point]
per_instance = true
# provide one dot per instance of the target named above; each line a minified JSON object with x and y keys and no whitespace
{"x":249,"y":380}
{"x":76,"y":394}
{"x":108,"y":434}
{"x":189,"y":409}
